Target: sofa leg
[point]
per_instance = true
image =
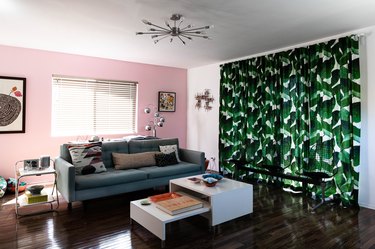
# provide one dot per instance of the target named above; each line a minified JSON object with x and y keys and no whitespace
{"x":69,"y":206}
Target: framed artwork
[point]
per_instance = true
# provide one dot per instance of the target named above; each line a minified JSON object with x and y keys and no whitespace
{"x":167,"y":102}
{"x":12,"y":104}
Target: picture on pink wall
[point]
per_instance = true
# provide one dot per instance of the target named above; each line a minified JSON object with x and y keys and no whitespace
{"x":12,"y":104}
{"x":167,"y":102}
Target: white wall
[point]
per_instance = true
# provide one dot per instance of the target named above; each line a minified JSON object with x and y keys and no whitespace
{"x":203,"y":127}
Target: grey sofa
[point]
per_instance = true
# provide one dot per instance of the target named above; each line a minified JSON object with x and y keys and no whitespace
{"x":112,"y":182}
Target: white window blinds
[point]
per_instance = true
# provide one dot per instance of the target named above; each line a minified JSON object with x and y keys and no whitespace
{"x":89,"y":107}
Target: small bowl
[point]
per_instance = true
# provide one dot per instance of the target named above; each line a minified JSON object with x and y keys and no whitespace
{"x":216,"y":176}
{"x":210,"y":181}
{"x":35,"y":189}
{"x":194,"y":179}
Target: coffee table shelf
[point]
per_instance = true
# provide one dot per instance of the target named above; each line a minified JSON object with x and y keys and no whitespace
{"x":228,"y":200}
{"x":155,"y":220}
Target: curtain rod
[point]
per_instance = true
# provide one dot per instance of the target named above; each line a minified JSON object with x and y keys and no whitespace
{"x":360,"y":33}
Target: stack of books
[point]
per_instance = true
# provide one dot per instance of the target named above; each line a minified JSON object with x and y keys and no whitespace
{"x":31,"y":199}
{"x":175,"y":203}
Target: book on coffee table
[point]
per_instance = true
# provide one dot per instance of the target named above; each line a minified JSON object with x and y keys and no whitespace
{"x":178,"y":204}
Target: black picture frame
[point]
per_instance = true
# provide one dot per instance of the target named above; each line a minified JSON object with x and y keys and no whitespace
{"x":166,"y":101}
{"x":13,"y":104}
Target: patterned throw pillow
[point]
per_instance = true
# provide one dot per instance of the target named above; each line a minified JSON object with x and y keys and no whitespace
{"x":87,"y":158}
{"x":166,"y":149}
{"x":165,"y":159}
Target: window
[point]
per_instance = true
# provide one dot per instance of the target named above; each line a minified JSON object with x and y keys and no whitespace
{"x":88,"y":107}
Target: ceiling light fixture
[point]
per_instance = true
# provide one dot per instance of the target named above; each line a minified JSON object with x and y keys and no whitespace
{"x":188,"y":32}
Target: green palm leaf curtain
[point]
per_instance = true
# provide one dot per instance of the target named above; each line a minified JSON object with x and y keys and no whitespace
{"x":298,"y":109}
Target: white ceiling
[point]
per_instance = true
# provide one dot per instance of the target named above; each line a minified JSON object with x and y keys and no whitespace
{"x":106,"y":28}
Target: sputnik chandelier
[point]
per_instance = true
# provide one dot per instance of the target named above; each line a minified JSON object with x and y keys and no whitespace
{"x":174,"y":30}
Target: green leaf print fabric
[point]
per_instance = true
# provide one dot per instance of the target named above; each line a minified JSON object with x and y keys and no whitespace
{"x":298,"y":109}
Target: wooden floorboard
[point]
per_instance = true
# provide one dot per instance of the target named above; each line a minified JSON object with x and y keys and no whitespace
{"x":280,"y":220}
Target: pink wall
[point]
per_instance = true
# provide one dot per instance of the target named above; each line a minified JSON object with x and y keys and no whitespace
{"x":38,"y":66}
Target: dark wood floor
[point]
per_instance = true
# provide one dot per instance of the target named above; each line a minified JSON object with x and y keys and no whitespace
{"x":280,"y":220}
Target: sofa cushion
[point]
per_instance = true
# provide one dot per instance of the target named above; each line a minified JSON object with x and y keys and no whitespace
{"x":87,"y":158}
{"x":163,"y":159}
{"x":136,"y":146}
{"x":176,"y":169}
{"x":109,"y":178}
{"x":169,"y":149}
{"x":133,"y":161}
{"x":113,"y":146}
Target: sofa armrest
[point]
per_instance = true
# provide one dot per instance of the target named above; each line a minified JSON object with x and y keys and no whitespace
{"x":193,"y":156}
{"x":65,"y":179}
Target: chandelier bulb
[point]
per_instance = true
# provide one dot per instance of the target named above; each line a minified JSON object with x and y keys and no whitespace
{"x":146,"y":22}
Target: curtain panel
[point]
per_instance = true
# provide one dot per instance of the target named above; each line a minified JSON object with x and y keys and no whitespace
{"x":298,"y":109}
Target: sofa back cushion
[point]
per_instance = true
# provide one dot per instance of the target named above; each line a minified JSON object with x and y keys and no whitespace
{"x":138,"y":146}
{"x":107,"y":149}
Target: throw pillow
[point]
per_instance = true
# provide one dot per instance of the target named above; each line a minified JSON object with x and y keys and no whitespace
{"x":166,"y":149}
{"x":87,"y":158}
{"x":165,"y":159}
{"x":133,"y":161}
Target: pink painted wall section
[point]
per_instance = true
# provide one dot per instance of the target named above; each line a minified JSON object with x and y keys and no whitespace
{"x":38,"y":67}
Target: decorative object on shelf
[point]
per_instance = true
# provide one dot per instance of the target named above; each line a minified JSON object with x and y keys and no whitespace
{"x":44,"y":162}
{"x":12,"y":104}
{"x":167,"y":102}
{"x":216,"y":176}
{"x":210,"y":181}
{"x":3,"y":186}
{"x":205,"y":97}
{"x":174,"y":30}
{"x":157,"y":121}
{"x":35,"y":189}
{"x":11,"y":185}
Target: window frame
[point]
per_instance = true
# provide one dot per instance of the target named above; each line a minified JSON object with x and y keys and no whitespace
{"x":108,"y":92}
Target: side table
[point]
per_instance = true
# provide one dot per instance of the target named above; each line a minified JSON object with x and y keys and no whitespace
{"x":21,"y":201}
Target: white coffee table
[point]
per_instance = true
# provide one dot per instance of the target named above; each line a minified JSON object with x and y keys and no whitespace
{"x":228,"y":200}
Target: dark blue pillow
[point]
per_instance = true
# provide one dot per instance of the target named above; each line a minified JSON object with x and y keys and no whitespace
{"x":162,"y":159}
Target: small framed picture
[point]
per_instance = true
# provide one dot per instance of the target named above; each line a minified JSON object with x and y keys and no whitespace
{"x":167,"y":102}
{"x":12,"y":104}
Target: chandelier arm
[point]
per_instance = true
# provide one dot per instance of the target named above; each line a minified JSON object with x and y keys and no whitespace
{"x":187,"y":27}
{"x":194,"y":32}
{"x":161,"y":38}
{"x":161,"y":30}
{"x":187,"y":37}
{"x":201,"y":36}
{"x":151,"y":24}
{"x":152,"y":33}
{"x":168,"y":25}
{"x":180,"y":23}
{"x":202,"y":28}
{"x":183,"y":42}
